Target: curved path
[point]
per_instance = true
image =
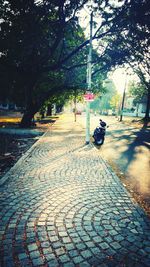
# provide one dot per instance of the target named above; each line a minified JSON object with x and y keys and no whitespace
{"x":61,"y":205}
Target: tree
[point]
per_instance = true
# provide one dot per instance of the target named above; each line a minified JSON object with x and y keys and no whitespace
{"x":132,"y":44}
{"x":42,"y":40}
{"x":140,"y":42}
{"x":107,"y":95}
{"x":34,"y":35}
{"x":114,"y":102}
{"x":138,"y":91}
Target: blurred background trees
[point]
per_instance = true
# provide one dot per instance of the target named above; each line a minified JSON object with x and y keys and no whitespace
{"x":43,"y":48}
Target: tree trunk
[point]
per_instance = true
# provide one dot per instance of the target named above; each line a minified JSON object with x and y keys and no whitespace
{"x":28,"y":117}
{"x":137,"y":109}
{"x":122,"y":105}
{"x":75,"y":104}
{"x":147,"y":105}
{"x":42,"y":114}
{"x":49,"y":110}
{"x":58,"y":109}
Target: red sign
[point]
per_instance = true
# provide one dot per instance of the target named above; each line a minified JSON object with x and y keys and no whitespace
{"x":89,"y":97}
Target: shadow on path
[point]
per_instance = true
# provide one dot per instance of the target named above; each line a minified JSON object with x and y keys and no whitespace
{"x":133,"y":139}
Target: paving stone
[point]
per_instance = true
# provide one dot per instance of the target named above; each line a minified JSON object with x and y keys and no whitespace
{"x":113,"y":232}
{"x":116,"y":245}
{"x":60,"y":251}
{"x":93,"y":234}
{"x":63,"y":234}
{"x":85,"y":238}
{"x":147,"y":249}
{"x":81,"y":246}
{"x":95,"y":250}
{"x":25,"y":263}
{"x":77,"y":240}
{"x":9,"y":263}
{"x":64,"y":258}
{"x":50,"y":256}
{"x":22,"y":256}
{"x":98,"y":239}
{"x":73,"y":253}
{"x":37,"y":262}
{"x":53,"y":263}
{"x":56,"y":245}
{"x":118,"y":238}
{"x":69,"y":264}
{"x":45,"y":244}
{"x":63,"y":200}
{"x":111,"y":252}
{"x":70,"y":246}
{"x":133,"y":247}
{"x":108,"y":227}
{"x":86,"y":254}
{"x":32,"y":247}
{"x":77,"y":260}
{"x":90,"y":244}
{"x":146,"y":262}
{"x":34,"y":254}
{"x":104,"y":245}
{"x":18,"y":248}
{"x":84,"y":264}
{"x":96,"y":261}
{"x":108,"y":239}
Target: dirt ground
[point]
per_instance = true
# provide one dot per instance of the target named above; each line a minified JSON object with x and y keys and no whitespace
{"x":13,"y":146}
{"x":142,"y":199}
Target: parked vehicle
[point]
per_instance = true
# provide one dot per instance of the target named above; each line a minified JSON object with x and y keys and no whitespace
{"x":78,"y":112}
{"x":99,"y":133}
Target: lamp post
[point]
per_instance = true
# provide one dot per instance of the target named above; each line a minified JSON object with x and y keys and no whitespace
{"x":123,"y":98}
{"x":89,"y":75}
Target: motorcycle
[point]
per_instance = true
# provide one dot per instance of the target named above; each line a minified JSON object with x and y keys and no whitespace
{"x":99,"y":133}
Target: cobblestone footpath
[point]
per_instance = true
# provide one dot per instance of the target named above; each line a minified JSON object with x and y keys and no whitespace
{"x":63,"y":206}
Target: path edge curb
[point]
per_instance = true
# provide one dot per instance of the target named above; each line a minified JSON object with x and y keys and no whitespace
{"x":22,"y":158}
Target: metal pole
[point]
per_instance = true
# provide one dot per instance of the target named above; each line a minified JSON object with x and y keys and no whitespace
{"x":75,"y":106}
{"x":89,"y":74}
{"x":123,"y":99}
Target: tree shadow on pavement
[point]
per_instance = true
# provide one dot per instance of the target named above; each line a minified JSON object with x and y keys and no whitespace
{"x":46,"y":121}
{"x":134,"y":138}
{"x":142,"y":139}
{"x":129,"y":158}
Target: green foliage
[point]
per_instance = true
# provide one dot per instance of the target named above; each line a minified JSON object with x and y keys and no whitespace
{"x":114,"y":102}
{"x":102,"y":102}
{"x":137,"y":90}
{"x":95,"y":105}
{"x":35,"y":36}
{"x":44,"y":51}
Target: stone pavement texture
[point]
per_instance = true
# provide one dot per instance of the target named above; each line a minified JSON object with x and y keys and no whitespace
{"x":63,"y":206}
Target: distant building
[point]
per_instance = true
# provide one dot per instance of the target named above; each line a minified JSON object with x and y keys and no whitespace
{"x":134,"y":108}
{"x":9,"y":106}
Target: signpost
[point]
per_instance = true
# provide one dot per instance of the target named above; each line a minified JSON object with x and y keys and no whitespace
{"x":89,"y":95}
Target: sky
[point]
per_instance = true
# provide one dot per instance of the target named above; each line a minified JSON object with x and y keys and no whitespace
{"x":121,"y":78}
{"x":118,"y":76}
